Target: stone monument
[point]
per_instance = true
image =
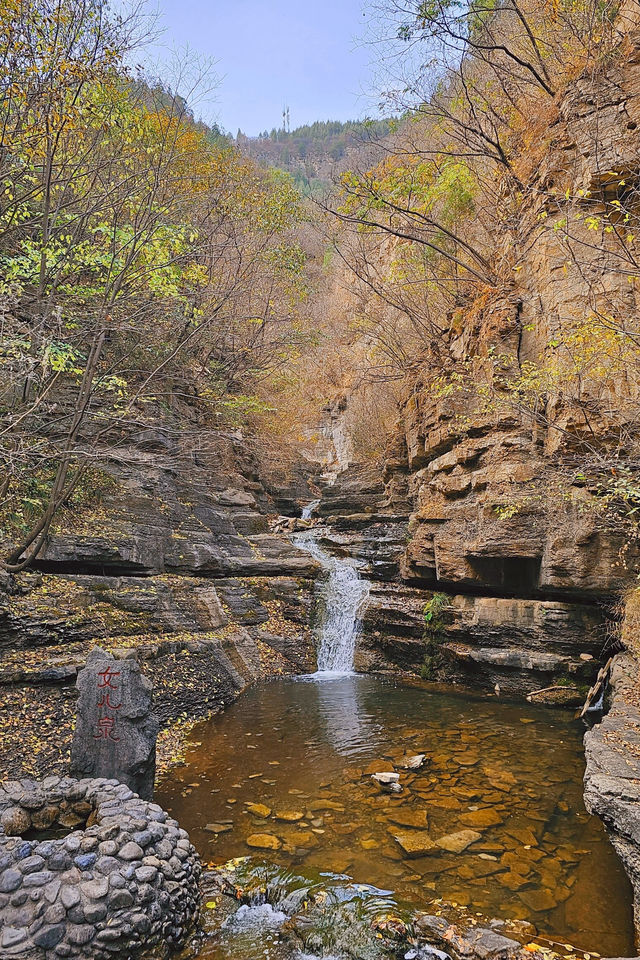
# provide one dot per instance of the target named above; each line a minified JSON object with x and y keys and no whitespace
{"x":115,"y":735}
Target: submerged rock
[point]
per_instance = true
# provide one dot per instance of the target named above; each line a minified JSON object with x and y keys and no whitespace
{"x":409,"y":818}
{"x":416,"y":843}
{"x":289,"y":816}
{"x":482,"y":818}
{"x":411,"y":763}
{"x":264,"y":841}
{"x":457,"y":842}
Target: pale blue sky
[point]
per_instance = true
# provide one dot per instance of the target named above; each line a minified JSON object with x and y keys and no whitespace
{"x":311,"y":56}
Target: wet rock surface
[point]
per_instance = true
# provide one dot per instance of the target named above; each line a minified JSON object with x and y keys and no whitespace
{"x":612,"y":777}
{"x":110,"y":873}
{"x":523,"y":645}
{"x":525,"y":636}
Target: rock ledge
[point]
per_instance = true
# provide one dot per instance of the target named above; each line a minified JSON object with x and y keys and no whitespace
{"x":612,"y":777}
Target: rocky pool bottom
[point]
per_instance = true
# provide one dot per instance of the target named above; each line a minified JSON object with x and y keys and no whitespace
{"x":493,"y":821}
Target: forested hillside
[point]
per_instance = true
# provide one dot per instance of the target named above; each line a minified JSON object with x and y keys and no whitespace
{"x":361,"y":399}
{"x":148,"y":269}
{"x":314,"y":152}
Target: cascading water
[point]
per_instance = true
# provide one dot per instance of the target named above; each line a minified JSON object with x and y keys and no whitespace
{"x":345,"y":594}
{"x":308,"y":510}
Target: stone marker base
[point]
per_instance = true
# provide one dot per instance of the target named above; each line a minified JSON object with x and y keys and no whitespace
{"x":88,"y":869}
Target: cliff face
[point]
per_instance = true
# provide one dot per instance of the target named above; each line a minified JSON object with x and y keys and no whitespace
{"x":499,"y":517}
{"x":174,"y":565}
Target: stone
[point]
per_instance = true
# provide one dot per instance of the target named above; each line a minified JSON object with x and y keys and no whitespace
{"x":411,"y":763}
{"x":44,"y":818}
{"x":388,"y":781}
{"x":10,"y":880}
{"x":81,"y":933}
{"x":131,"y":851}
{"x":487,"y":817}
{"x":120,"y":899}
{"x":85,"y":860}
{"x":47,"y":937}
{"x":69,"y":896}
{"x":143,"y":838}
{"x":95,"y":889}
{"x":408,"y":818}
{"x":52,"y":890}
{"x":385,"y":778}
{"x":318,"y":805}
{"x":539,"y":900}
{"x":115,"y":733}
{"x":37,"y":879}
{"x":264,"y":841}
{"x":108,"y":848}
{"x":218,"y":827}
{"x":15,"y":821}
{"x":94,"y":912}
{"x":458,"y":842}
{"x":259,"y":810}
{"x":416,"y":843}
{"x":289,"y":816}
{"x":31,"y":864}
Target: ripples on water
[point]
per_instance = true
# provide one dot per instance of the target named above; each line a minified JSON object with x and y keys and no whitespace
{"x":307,"y":749}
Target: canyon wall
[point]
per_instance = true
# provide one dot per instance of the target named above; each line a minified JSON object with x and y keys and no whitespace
{"x":484,"y":503}
{"x":173,"y":564}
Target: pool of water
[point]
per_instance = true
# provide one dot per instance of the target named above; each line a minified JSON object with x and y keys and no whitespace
{"x":285,"y":773}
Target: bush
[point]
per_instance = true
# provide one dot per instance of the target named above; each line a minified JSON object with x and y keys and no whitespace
{"x":433,"y":634}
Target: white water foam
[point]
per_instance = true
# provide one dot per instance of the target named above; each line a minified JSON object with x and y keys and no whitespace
{"x":345,"y":595}
{"x":308,"y":510}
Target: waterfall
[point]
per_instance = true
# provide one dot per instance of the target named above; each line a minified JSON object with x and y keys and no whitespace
{"x":308,"y":510}
{"x":345,"y":594}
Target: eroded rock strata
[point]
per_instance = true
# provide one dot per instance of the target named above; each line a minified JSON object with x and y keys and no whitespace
{"x":175,"y":565}
{"x":612,"y":777}
{"x":481,"y":499}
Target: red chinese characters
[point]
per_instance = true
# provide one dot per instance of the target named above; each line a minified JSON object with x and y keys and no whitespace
{"x":106,"y":696}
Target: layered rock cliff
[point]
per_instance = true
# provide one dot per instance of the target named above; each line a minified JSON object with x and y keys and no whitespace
{"x":173,"y":564}
{"x":484,"y":499}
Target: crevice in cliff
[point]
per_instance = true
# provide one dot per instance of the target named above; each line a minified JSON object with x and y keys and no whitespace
{"x":466,"y":589}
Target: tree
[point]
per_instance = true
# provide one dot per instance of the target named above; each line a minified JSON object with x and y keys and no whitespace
{"x":143,"y":264}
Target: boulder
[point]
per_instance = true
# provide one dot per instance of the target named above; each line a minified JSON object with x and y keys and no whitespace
{"x":115,"y":734}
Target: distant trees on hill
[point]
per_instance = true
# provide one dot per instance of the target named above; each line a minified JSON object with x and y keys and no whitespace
{"x":309,"y":151}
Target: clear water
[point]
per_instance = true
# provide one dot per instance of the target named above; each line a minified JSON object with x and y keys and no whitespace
{"x":306,"y":749}
{"x":343,"y":596}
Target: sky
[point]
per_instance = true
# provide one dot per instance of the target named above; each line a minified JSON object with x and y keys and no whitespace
{"x":308,"y":55}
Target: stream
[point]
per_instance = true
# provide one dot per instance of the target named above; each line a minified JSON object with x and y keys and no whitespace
{"x":493,"y":821}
